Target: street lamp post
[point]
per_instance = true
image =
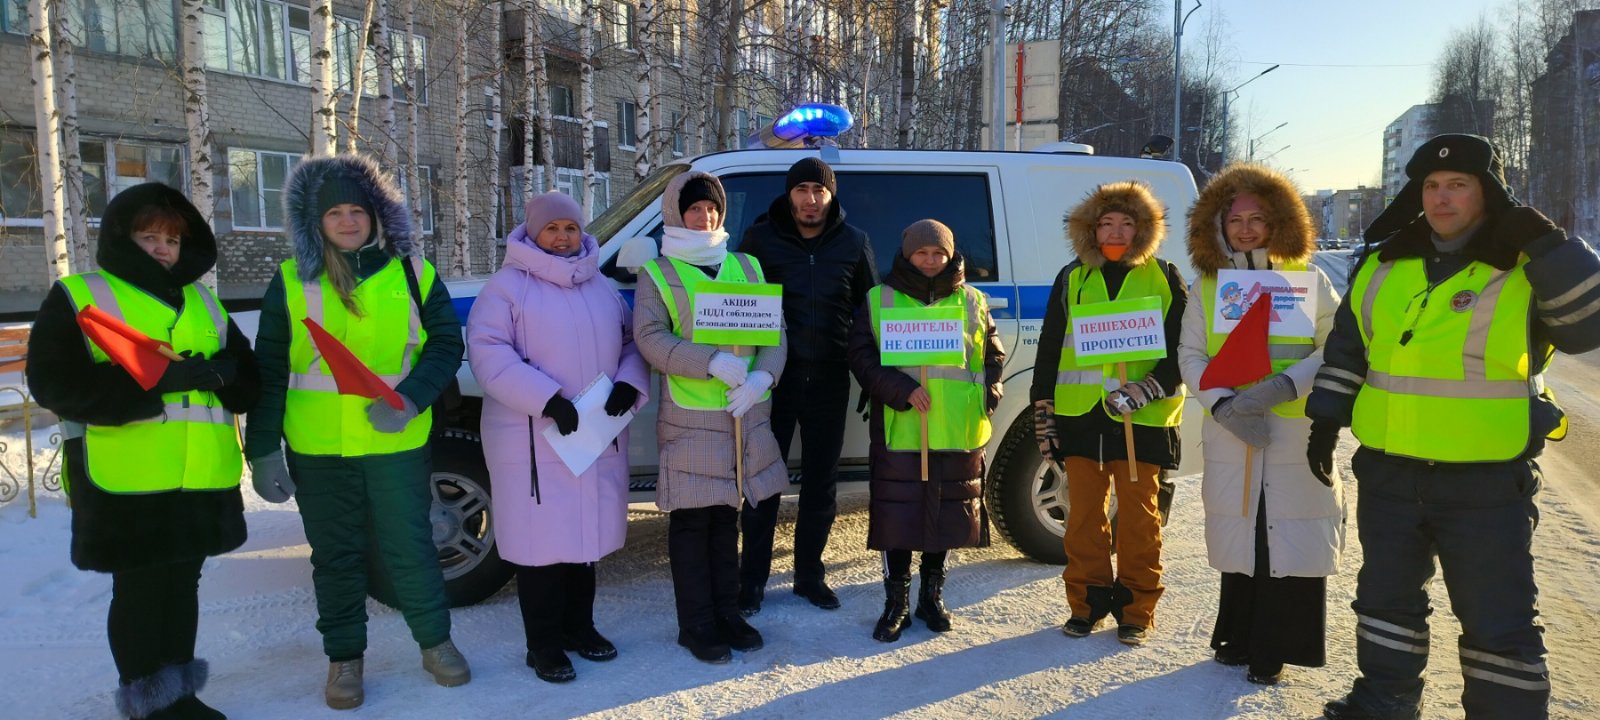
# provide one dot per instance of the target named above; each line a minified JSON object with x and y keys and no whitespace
{"x":1274,"y":153}
{"x":1252,"y":149}
{"x":1227,"y":94}
{"x":1178,"y":21}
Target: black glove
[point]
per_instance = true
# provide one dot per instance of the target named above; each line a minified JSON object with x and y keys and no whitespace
{"x":1522,"y":225}
{"x":193,"y":372}
{"x":622,"y":397}
{"x":561,"y":410}
{"x":1319,"y":450}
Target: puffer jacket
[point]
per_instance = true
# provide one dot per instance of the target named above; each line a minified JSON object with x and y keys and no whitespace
{"x":1094,"y":434}
{"x":906,"y":513}
{"x":111,"y":533}
{"x":696,"y":446}
{"x":1305,"y":532}
{"x":824,"y":278}
{"x":441,"y":353}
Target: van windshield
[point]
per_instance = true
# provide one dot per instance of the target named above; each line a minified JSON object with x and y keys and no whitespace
{"x":647,"y":191}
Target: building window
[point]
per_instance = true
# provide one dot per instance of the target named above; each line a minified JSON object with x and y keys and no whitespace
{"x":138,"y":28}
{"x":561,"y":101}
{"x":268,"y":38}
{"x":741,"y":125}
{"x":570,"y":181}
{"x":424,"y":197}
{"x":624,"y":26}
{"x":255,"y":184}
{"x":109,"y":167}
{"x":628,"y":127}
{"x":677,"y":134}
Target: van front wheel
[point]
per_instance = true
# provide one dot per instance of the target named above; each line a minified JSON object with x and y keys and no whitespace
{"x":1027,"y":496}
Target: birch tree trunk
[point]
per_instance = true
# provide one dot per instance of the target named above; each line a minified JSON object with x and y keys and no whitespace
{"x":414,"y":186}
{"x":48,"y":140}
{"x":383,"y":50}
{"x":497,"y":69}
{"x":533,"y":81}
{"x":586,"y":84}
{"x":197,"y":114}
{"x":324,"y":93}
{"x":539,"y":101}
{"x":77,"y":210}
{"x":648,"y":11}
{"x":460,"y":243}
{"x":358,"y":75}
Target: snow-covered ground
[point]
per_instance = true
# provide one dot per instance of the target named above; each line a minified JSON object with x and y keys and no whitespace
{"x":1006,"y":658}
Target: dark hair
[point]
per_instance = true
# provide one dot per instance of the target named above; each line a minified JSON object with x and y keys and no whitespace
{"x":159,"y":217}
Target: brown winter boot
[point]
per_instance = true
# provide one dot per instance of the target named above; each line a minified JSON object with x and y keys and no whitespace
{"x":344,"y":691}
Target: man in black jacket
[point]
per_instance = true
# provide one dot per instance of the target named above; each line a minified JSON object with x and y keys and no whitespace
{"x":826,"y":269}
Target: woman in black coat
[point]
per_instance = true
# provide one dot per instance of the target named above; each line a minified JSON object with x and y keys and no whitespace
{"x":906,"y":513}
{"x":151,"y":519}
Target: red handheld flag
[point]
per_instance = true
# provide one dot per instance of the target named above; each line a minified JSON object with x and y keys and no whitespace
{"x":350,"y":375}
{"x":1243,"y":357}
{"x":144,"y":357}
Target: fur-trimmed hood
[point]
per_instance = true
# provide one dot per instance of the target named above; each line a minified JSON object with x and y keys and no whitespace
{"x":1291,"y":235}
{"x":393,"y":221}
{"x":1131,"y":197}
{"x":669,"y":198}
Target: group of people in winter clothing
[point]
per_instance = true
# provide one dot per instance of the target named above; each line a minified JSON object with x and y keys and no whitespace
{"x":153,"y":472}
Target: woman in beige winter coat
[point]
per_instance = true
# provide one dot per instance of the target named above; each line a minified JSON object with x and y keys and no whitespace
{"x":1275,"y":531}
{"x":703,"y":389}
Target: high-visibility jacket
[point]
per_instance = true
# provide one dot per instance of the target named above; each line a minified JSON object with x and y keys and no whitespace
{"x":1450,"y":375}
{"x":1080,"y":388}
{"x":958,"y":419}
{"x":1284,"y":351}
{"x":193,"y":444}
{"x":678,"y":282}
{"x":387,"y":337}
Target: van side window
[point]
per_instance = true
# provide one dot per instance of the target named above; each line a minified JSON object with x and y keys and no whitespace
{"x":882,"y":204}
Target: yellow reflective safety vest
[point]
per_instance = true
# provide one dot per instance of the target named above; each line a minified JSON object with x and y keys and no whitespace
{"x":1081,"y":388}
{"x":678,"y":282}
{"x":387,"y":337}
{"x":959,"y":419}
{"x":1284,"y":351}
{"x":1450,"y":375}
{"x":193,"y":444}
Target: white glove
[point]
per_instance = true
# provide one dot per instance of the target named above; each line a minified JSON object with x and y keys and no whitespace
{"x":729,"y":368}
{"x":744,"y":397}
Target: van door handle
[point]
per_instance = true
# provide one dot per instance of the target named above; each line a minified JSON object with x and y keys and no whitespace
{"x":999,"y":303}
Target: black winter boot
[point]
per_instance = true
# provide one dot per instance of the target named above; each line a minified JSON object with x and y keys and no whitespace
{"x":737,"y":633}
{"x":152,"y":696}
{"x":705,"y":643}
{"x":896,"y":608}
{"x":930,"y":602}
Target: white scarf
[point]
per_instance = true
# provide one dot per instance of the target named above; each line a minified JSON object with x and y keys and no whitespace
{"x":696,"y":247}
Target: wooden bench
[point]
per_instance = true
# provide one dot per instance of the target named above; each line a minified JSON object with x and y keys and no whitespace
{"x":13,"y":349}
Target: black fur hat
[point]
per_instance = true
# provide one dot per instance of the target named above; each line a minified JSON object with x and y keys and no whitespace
{"x":1453,"y":152}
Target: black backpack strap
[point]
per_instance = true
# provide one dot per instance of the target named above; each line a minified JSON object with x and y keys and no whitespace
{"x":408,"y":264}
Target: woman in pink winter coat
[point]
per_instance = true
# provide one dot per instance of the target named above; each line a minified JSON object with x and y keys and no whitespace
{"x":543,"y":328}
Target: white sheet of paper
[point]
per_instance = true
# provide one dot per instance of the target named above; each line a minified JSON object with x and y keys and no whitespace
{"x":595,"y":430}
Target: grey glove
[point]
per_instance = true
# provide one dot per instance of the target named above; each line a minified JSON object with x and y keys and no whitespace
{"x":386,"y":419}
{"x":1248,"y":427}
{"x":1260,"y":398}
{"x":270,"y":476}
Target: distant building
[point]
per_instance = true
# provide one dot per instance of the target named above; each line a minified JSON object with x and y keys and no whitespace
{"x":1564,"y":158}
{"x":1345,"y":214}
{"x":1400,"y":140}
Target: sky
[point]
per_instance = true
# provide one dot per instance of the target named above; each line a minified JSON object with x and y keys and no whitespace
{"x":1348,"y":70}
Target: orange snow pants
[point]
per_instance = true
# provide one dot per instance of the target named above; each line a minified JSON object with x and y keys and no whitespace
{"x":1091,"y":586}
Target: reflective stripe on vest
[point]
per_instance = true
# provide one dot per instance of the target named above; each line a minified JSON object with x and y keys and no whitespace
{"x":1080,"y":388}
{"x":958,"y":419}
{"x":192,"y":444}
{"x":677,"y":281}
{"x":1449,"y":363}
{"x":317,"y":419}
{"x":1283,"y":351}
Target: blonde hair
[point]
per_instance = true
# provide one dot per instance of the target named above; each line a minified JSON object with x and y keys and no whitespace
{"x":340,"y":277}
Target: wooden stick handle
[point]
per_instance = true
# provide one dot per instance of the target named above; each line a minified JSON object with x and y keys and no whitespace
{"x":1249,"y":464}
{"x":923,"y":377}
{"x":1127,"y":425}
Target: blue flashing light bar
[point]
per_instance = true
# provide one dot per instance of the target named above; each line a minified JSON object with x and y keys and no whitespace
{"x":813,"y":120}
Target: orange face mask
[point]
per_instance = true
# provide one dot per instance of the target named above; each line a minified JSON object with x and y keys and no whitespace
{"x":1113,"y":253}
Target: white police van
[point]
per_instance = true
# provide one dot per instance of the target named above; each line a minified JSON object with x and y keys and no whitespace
{"x":1006,"y":209}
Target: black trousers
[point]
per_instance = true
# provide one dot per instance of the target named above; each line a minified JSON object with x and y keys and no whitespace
{"x":1478,"y":520}
{"x":897,"y":563}
{"x":1275,"y":620}
{"x":816,"y":397}
{"x":155,"y":612}
{"x":703,"y":547}
{"x":555,"y":600}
